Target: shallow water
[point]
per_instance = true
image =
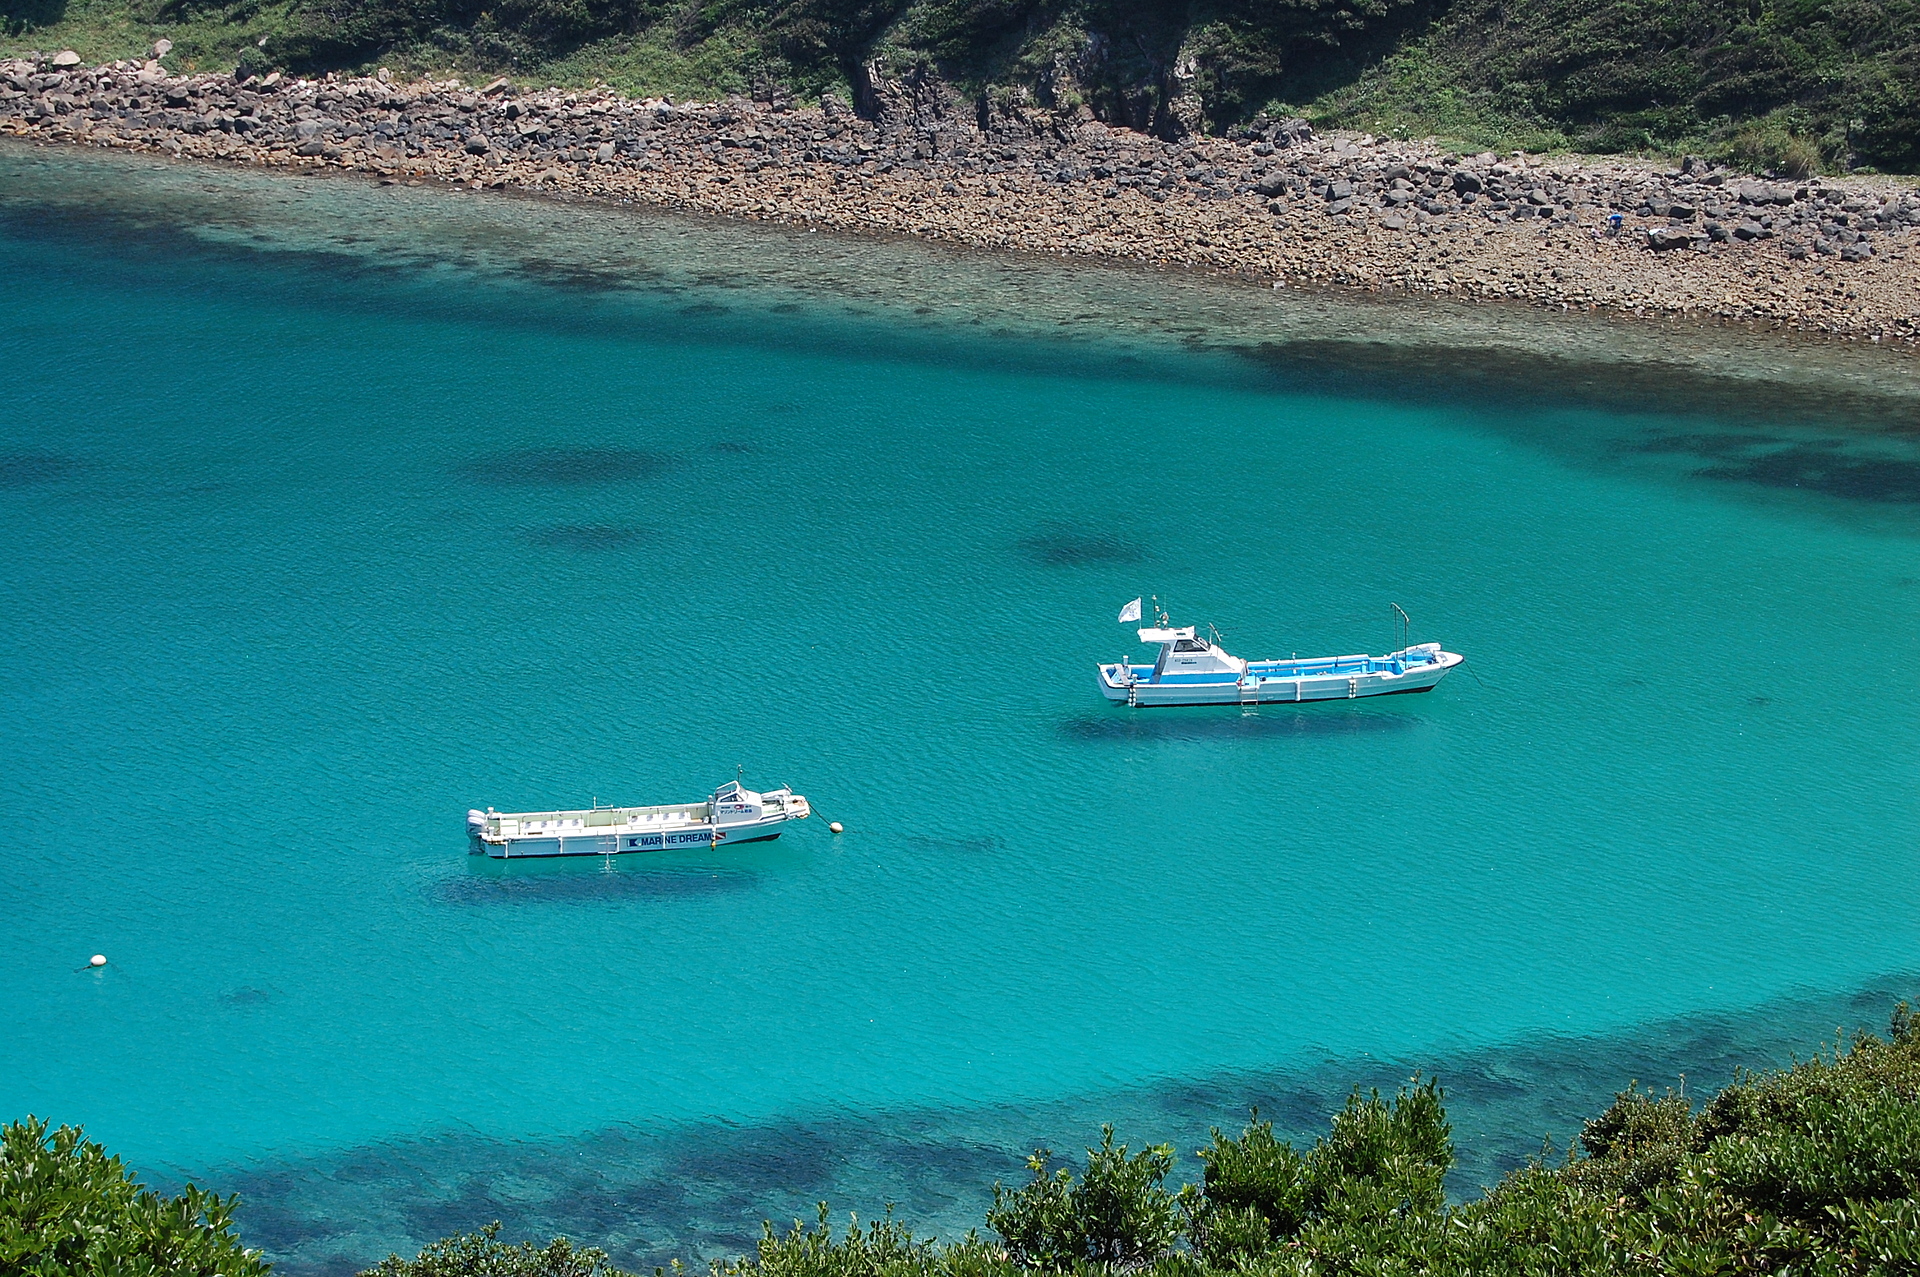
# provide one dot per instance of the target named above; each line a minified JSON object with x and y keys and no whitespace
{"x":335,"y":509}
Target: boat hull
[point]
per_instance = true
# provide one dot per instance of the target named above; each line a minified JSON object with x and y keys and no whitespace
{"x":622,"y":844}
{"x":1345,"y":678}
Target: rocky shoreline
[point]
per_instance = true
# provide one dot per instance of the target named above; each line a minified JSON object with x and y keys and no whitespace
{"x":1277,"y":202}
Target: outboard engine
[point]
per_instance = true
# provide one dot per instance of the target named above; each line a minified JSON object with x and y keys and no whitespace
{"x":476,"y":825}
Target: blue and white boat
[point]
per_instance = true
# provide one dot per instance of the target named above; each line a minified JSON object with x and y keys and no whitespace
{"x":1191,"y":670}
{"x":733,"y":815}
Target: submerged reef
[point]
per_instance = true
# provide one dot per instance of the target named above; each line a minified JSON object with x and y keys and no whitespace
{"x":1279,"y":202}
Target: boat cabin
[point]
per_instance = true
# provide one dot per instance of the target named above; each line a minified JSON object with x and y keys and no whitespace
{"x":733,"y":805}
{"x":1185,"y":657}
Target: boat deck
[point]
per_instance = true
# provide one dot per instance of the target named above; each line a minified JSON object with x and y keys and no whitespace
{"x":1317,"y":667}
{"x":595,"y":820}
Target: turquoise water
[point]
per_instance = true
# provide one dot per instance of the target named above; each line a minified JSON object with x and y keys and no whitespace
{"x":333,"y":510}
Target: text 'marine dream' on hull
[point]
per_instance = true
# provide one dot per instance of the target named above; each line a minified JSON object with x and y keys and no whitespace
{"x":732,"y":815}
{"x":1194,"y":671}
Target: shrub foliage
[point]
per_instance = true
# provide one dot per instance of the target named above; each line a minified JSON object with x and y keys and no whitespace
{"x":1810,"y":1170}
{"x":67,"y":1207}
{"x":483,"y":1254}
{"x":1814,"y":1170}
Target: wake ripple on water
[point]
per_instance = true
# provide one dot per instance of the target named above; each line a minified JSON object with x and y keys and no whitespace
{"x":588,"y":538}
{"x":580,"y":882}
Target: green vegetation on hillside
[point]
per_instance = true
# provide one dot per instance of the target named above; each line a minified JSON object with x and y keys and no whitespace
{"x":1785,"y":84}
{"x":1809,"y":1170}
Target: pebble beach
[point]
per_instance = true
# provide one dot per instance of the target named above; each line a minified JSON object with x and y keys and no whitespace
{"x":1277,"y":202}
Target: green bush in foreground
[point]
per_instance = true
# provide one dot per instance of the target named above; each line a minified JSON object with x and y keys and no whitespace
{"x":1810,"y":1170}
{"x":66,"y":1207}
{"x":483,"y":1254}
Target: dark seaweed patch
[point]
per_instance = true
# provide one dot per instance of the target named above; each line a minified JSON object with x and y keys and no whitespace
{"x":587,"y":538}
{"x":1703,"y":444}
{"x":1061,"y":545}
{"x":702,"y":1189}
{"x":803,"y":1159}
{"x":1825,"y":469}
{"x":567,"y":467}
{"x":702,"y":309}
{"x":24,"y":469}
{"x":587,"y":881}
{"x":1825,"y":466}
{"x":1523,"y":379}
{"x":1225,"y":723}
{"x":571,"y":277}
{"x":248,"y":997}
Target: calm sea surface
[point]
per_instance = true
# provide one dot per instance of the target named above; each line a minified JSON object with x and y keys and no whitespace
{"x":330,"y":511}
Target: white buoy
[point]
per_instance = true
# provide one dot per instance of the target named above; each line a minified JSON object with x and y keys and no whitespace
{"x":97,"y":960}
{"x":837,"y":827}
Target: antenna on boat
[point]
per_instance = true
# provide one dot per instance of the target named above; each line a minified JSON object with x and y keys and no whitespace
{"x":1403,"y":623}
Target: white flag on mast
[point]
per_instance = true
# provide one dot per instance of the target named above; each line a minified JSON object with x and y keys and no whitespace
{"x":1131,"y":612}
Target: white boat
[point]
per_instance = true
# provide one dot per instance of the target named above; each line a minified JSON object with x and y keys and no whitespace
{"x":733,"y":815}
{"x":1191,"y":670}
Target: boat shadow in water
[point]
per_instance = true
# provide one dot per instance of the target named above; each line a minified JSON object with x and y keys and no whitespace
{"x":1203,"y":723}
{"x":567,"y":467}
{"x":1058,"y":544}
{"x":585,"y":881}
{"x":25,"y":469}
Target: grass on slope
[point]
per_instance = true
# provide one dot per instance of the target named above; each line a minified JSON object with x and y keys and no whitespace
{"x":1792,"y":85}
